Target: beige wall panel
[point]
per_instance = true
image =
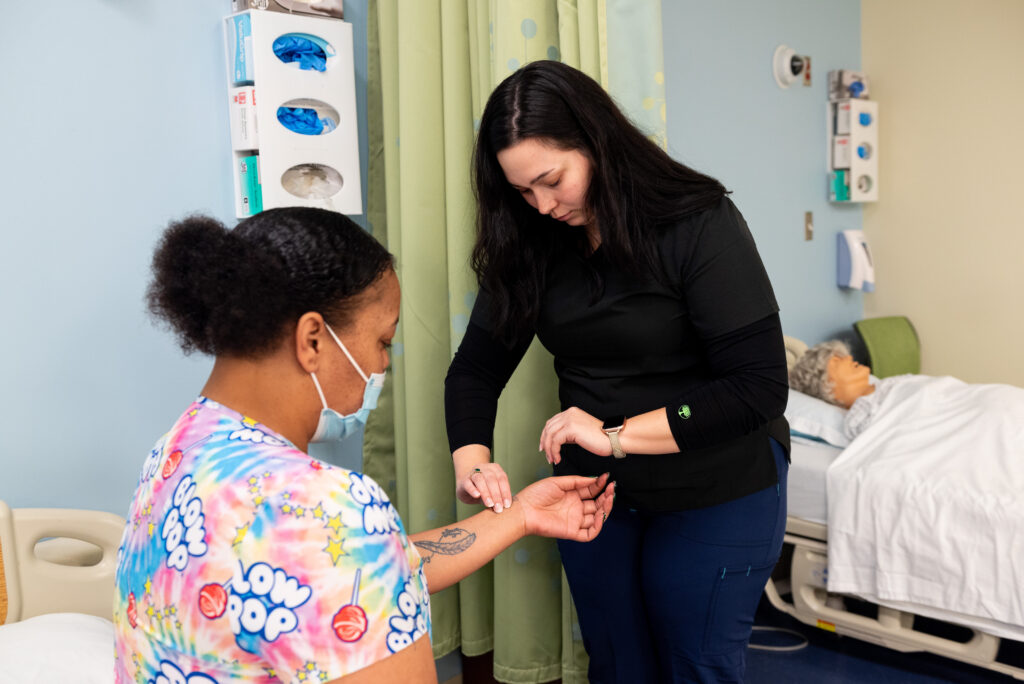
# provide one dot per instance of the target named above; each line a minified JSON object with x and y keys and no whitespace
{"x":948,"y":232}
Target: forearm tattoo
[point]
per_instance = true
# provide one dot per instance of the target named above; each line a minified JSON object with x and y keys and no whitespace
{"x":453,"y":541}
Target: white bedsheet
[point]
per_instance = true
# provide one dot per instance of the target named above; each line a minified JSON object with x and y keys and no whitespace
{"x":57,"y":648}
{"x":926,"y":505}
{"x":805,"y":488}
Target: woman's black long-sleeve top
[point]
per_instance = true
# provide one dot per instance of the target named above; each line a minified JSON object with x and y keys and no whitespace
{"x":704,"y":344}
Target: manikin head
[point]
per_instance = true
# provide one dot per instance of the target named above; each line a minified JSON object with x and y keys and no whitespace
{"x":828,"y":371}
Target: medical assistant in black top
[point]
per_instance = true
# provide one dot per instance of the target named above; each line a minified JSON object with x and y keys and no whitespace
{"x":703,"y":341}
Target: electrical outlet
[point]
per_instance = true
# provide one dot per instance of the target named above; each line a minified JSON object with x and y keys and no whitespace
{"x":808,"y":225}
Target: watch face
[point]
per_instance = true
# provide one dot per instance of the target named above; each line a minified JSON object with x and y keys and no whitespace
{"x":613,"y":423}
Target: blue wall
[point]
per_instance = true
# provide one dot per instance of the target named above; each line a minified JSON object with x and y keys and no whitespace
{"x":114,"y":122}
{"x":727,"y":117}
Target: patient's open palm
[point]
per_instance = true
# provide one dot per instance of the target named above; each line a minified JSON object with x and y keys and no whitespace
{"x":571,"y":507}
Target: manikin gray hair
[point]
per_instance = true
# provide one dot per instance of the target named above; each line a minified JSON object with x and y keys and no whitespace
{"x":810,"y":373}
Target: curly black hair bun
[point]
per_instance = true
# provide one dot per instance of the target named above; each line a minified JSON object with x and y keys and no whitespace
{"x":235,"y":292}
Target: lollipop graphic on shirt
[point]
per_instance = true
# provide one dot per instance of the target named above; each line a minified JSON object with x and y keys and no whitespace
{"x":213,"y":599}
{"x":133,"y":615}
{"x":350,"y":621}
{"x":174,"y":458}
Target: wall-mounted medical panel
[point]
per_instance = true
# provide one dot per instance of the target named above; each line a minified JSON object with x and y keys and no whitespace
{"x":299,"y":84}
{"x":852,"y":150}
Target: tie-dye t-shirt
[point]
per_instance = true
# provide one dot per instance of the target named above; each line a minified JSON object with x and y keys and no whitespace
{"x":245,"y":560}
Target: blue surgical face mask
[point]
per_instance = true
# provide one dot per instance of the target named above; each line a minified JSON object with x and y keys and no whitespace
{"x":334,"y":431}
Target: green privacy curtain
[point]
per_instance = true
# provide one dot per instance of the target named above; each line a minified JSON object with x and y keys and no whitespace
{"x":432,"y":65}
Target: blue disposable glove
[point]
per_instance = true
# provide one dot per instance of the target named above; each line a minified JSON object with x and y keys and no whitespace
{"x":309,"y":55}
{"x":301,"y":120}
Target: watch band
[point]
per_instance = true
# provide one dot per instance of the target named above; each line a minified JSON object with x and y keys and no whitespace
{"x":613,"y":437}
{"x":612,"y":427}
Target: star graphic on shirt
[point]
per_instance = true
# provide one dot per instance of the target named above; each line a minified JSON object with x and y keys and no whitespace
{"x":148,"y":585}
{"x":151,"y":528}
{"x":335,"y":523}
{"x":249,"y":422}
{"x":258,"y":499}
{"x":240,"y":533}
{"x":253,"y":480}
{"x":286,"y":509}
{"x":151,"y":611}
{"x":310,"y":673}
{"x":194,"y":412}
{"x":299,"y":511}
{"x":255,"y":489}
{"x":318,"y":512}
{"x":334,"y":549}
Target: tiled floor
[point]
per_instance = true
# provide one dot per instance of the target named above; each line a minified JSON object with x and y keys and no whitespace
{"x":832,"y":659}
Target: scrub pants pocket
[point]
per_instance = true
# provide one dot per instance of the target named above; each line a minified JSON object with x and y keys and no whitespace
{"x":730,"y":616}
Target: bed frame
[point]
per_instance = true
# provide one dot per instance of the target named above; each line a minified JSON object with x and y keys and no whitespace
{"x":803,"y":582}
{"x":57,"y":560}
{"x":797,"y":587}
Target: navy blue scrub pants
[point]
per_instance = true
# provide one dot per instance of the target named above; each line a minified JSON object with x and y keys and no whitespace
{"x":670,"y":597}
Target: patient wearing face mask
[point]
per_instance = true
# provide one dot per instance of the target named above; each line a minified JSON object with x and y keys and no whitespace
{"x":244,"y":557}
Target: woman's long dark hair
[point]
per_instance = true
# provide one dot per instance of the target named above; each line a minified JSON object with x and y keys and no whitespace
{"x":635,"y":188}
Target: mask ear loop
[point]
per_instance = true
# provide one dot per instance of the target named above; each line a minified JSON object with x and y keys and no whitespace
{"x":319,"y":391}
{"x":353,"y":361}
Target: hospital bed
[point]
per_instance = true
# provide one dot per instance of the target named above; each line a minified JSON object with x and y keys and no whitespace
{"x":56,"y":594}
{"x":799,"y":584}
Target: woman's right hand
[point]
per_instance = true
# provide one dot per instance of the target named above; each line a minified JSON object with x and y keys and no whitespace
{"x":485,"y":483}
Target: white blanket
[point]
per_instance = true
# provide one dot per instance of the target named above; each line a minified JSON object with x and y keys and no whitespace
{"x":926,"y":505}
{"x":57,"y":648}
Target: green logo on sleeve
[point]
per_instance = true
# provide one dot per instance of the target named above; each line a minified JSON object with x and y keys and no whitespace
{"x":684,"y":411}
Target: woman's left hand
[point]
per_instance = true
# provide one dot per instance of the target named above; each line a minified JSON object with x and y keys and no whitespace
{"x":573,"y":426}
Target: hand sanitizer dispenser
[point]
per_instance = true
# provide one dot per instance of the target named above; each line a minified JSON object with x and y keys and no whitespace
{"x":855,"y":268}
